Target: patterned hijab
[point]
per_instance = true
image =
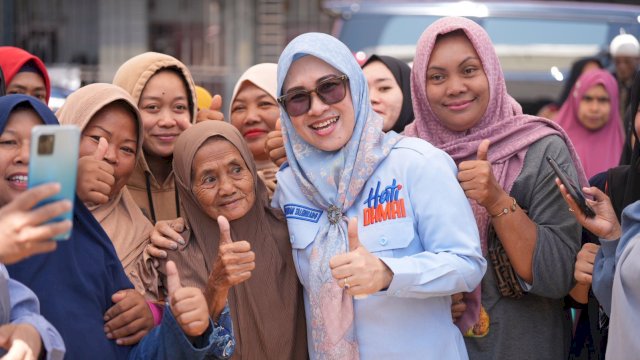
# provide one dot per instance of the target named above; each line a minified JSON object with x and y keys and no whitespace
{"x":510,"y":131}
{"x":332,"y":181}
{"x":599,"y":150}
{"x":121,"y":211}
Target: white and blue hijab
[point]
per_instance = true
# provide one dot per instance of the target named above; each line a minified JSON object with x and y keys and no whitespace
{"x":332,"y":181}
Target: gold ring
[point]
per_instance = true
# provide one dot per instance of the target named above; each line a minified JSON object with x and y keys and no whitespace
{"x":345,"y":283}
{"x":571,"y":210}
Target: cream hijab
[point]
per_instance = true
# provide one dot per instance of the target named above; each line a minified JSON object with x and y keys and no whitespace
{"x":121,"y":218}
{"x":264,"y":76}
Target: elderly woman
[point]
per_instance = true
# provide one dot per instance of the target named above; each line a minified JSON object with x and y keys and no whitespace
{"x":246,"y":259}
{"x":79,"y":279}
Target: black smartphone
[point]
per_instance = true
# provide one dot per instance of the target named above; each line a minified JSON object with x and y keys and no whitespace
{"x":575,"y":193}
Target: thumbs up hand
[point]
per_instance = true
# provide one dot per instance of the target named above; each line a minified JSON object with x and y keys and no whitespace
{"x":274,"y":146}
{"x":358,"y":271}
{"x":234,"y":261}
{"x":95,"y":175}
{"x":214,"y":112}
{"x":477,"y":180}
{"x":188,"y":304}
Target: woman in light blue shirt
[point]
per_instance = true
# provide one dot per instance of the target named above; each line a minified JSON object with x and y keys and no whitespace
{"x":377,"y":285}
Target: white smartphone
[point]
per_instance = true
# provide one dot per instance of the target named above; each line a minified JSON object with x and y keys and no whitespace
{"x":53,"y":157}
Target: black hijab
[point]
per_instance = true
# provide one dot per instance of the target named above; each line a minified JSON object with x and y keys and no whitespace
{"x":623,"y":181}
{"x":402,"y":73}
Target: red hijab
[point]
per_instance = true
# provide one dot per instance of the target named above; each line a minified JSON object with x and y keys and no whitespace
{"x":12,"y":59}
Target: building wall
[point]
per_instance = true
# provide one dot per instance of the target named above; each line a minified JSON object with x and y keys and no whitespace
{"x":217,"y":39}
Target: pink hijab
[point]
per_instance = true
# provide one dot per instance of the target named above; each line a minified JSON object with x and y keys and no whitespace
{"x":510,"y":131}
{"x":599,"y":150}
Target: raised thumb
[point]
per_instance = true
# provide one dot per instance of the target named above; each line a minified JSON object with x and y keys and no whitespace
{"x":216,"y":103}
{"x":278,"y":124}
{"x":352,"y":232}
{"x":483,"y":149}
{"x":173,"y":278}
{"x":101,"y":150}
{"x":225,"y":230}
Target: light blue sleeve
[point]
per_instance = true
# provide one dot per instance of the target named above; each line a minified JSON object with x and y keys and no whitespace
{"x":25,"y":309}
{"x":604,"y":267}
{"x":452,"y":261}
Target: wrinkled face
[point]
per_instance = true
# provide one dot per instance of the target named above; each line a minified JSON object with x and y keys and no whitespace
{"x":14,"y":153}
{"x":164,"y":108}
{"x":254,"y":113}
{"x":594,"y":108}
{"x":325,"y":127}
{"x":118,"y":126}
{"x":28,"y":83}
{"x":626,"y":66}
{"x":384,"y":92}
{"x":221,"y":181}
{"x":456,"y":84}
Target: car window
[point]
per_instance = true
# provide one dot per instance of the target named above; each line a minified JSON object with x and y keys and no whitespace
{"x":538,"y":31}
{"x":384,"y":34}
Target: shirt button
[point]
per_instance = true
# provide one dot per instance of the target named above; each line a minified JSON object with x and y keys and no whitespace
{"x":383,"y":241}
{"x":292,"y":238}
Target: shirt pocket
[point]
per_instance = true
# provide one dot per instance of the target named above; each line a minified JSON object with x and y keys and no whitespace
{"x":301,"y":235}
{"x":388,"y":239}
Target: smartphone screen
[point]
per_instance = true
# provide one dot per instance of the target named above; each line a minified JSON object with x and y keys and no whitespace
{"x":54,"y":158}
{"x":575,"y":193}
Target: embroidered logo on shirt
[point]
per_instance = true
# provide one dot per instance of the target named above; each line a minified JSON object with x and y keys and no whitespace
{"x":295,"y":211}
{"x":383,"y":205}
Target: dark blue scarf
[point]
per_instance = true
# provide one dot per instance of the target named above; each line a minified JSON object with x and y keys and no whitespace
{"x":75,"y":282}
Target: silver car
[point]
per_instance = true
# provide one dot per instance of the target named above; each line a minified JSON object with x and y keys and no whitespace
{"x":537,"y":41}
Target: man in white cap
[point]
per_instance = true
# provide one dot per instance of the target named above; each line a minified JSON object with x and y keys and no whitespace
{"x":625,"y":51}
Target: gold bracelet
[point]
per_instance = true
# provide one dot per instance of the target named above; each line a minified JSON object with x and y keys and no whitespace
{"x":505,"y":211}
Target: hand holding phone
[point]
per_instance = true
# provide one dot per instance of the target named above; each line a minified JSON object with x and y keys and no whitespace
{"x":53,"y":158}
{"x":575,"y":193}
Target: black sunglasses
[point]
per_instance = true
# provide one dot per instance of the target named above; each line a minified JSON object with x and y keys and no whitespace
{"x":330,"y":91}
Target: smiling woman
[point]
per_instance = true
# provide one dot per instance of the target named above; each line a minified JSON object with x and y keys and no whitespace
{"x":374,"y":256}
{"x":164,"y":91}
{"x":254,"y":112}
{"x":237,"y":247}
{"x":222,"y":183}
{"x":462,"y":107}
{"x":109,"y":146}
